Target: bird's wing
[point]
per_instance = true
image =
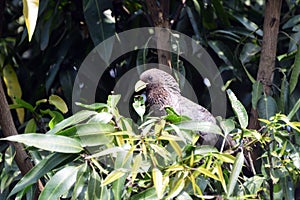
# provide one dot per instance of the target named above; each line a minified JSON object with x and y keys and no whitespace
{"x":194,"y":111}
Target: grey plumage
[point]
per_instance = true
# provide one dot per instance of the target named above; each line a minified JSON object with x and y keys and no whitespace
{"x":162,"y":90}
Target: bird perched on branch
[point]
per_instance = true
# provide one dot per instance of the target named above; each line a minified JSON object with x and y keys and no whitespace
{"x":162,"y":90}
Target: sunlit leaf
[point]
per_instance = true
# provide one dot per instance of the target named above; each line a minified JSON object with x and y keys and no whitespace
{"x":55,"y":143}
{"x":238,"y":109}
{"x":178,"y":187}
{"x":94,"y":134}
{"x":74,"y":119}
{"x":114,"y":175}
{"x":13,"y":88}
{"x":236,"y":170}
{"x":30,"y":12}
{"x":158,"y":182}
{"x":59,"y":103}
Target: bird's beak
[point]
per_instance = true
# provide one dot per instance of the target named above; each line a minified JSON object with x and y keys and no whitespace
{"x":140,"y":85}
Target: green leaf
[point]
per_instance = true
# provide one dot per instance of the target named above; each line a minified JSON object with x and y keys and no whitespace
{"x":137,"y":162}
{"x":30,"y":126}
{"x":139,"y":106}
{"x":113,"y":100}
{"x":266,"y":107}
{"x":220,"y":12}
{"x":288,"y":187}
{"x":148,"y":194}
{"x":103,"y":117}
{"x":248,"y":24}
{"x":238,"y":109}
{"x":60,"y":183}
{"x":222,"y":51}
{"x":123,"y":165}
{"x":207,"y":173}
{"x":253,"y":184}
{"x":55,"y":143}
{"x":94,"y":134}
{"x":157,"y":179}
{"x":257,"y":89}
{"x":284,"y":95}
{"x":94,"y":106}
{"x":56,"y":117}
{"x":94,"y":189}
{"x":20,"y":103}
{"x":74,"y":119}
{"x":204,"y":150}
{"x":30,"y":12}
{"x":293,"y":21}
{"x":113,"y":176}
{"x":248,"y":52}
{"x":178,"y":187}
{"x":294,"y":110}
{"x":295,"y":72}
{"x":108,"y":151}
{"x":207,"y":127}
{"x":81,"y":179}
{"x":43,"y":167}
{"x":100,"y":26}
{"x":236,"y":170}
{"x":59,"y":103}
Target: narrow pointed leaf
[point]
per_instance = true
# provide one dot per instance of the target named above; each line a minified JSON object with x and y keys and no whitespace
{"x":55,"y":143}
{"x":94,"y":189}
{"x":114,"y":175}
{"x":157,"y":182}
{"x":40,"y":169}
{"x":30,"y":12}
{"x":237,"y":168}
{"x":238,"y":109}
{"x":74,"y":119}
{"x":60,"y":183}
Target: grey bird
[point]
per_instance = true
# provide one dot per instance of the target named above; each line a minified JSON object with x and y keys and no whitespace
{"x":162,"y":90}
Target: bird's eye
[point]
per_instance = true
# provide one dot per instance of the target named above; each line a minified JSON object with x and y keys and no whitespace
{"x":150,"y":78}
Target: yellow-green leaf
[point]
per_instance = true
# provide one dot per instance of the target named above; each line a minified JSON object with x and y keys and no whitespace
{"x":176,"y":147}
{"x":114,"y":175}
{"x":136,"y":165}
{"x":174,"y":191}
{"x":158,"y":182}
{"x":207,"y":173}
{"x":13,"y":88}
{"x":30,"y":12}
{"x":59,"y":103}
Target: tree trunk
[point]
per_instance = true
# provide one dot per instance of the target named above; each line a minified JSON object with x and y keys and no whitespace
{"x":268,"y":52}
{"x":159,"y":17}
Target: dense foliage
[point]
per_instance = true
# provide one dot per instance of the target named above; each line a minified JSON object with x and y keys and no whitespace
{"x":98,"y":153}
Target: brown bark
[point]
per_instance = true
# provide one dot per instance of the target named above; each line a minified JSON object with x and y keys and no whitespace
{"x":269,"y":46}
{"x":159,"y":17}
{"x":268,"y":52}
{"x":8,"y":128}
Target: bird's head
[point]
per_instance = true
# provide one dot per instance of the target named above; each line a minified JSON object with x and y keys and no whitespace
{"x":157,"y":79}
